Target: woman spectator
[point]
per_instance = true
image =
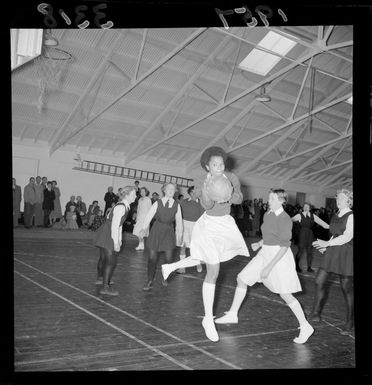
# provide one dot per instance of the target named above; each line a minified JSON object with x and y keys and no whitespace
{"x":48,"y":203}
{"x":93,"y":210}
{"x":306,"y":221}
{"x":71,"y":202}
{"x":97,"y":221}
{"x":143,"y":207}
{"x":338,"y":259}
{"x":56,"y":214}
{"x":71,"y":216}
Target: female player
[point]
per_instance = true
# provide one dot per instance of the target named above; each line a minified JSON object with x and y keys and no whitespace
{"x":191,"y":212}
{"x":163,"y":236}
{"x":274,"y":266}
{"x":215,"y":237}
{"x":109,"y":239}
{"x":306,"y":220}
{"x":144,"y":206}
{"x":338,"y":258}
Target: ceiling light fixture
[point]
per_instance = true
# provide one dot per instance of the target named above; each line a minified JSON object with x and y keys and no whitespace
{"x":262,"y":97}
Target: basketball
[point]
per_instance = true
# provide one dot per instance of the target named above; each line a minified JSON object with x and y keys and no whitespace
{"x":219,"y":188}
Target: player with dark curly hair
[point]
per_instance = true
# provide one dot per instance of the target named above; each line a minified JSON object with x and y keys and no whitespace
{"x":215,"y":237}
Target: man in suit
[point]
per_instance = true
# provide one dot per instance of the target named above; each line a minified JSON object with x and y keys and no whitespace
{"x":110,"y":197}
{"x":29,"y":196}
{"x":39,"y":214}
{"x":17,"y":197}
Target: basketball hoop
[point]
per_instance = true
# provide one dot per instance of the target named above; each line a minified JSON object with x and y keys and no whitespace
{"x":51,"y":66}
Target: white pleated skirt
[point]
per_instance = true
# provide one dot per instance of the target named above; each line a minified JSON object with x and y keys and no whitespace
{"x":216,"y":239}
{"x":283,"y":278}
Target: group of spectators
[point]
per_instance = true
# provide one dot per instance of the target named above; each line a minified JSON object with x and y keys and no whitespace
{"x":42,"y":207}
{"x":249,"y":217}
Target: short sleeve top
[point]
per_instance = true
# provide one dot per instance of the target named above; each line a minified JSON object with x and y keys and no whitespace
{"x":277,"y":229}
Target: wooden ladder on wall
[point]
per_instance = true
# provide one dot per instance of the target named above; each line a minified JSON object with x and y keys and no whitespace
{"x":131,"y":173}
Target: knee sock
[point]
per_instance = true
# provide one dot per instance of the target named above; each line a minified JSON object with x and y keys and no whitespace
{"x":239,"y":296}
{"x":208,"y":290}
{"x":298,"y":312}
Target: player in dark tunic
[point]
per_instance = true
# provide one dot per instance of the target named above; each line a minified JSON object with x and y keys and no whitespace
{"x":338,"y":259}
{"x":109,"y":239}
{"x":162,"y":237}
{"x":306,"y":237}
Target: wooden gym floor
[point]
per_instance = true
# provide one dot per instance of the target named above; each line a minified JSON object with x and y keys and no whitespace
{"x":61,"y":323}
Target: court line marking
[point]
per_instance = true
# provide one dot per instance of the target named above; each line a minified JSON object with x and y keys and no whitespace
{"x":336,"y":327}
{"x":136,"y":318}
{"x":107,"y":323}
{"x":260,"y":296}
{"x":137,"y":350}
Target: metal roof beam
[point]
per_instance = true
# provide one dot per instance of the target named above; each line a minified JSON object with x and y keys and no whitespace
{"x":308,"y":162}
{"x":340,"y":150}
{"x":303,"y":152}
{"x":335,"y":177}
{"x":251,"y":164}
{"x":289,"y":122}
{"x":134,"y":79}
{"x":57,"y":142}
{"x":130,"y":155}
{"x":57,"y":138}
{"x":321,"y":171}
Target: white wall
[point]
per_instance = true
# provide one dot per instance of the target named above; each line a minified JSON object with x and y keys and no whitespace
{"x":30,"y":159}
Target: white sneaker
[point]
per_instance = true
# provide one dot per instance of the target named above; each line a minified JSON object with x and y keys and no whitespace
{"x":306,"y":331}
{"x":210,"y":329}
{"x":199,"y":268}
{"x":166,"y":269}
{"x":229,"y":318}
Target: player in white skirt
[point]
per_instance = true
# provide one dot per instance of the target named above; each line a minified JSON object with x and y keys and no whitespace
{"x":274,"y":266}
{"x":215,"y":236}
{"x":144,"y":206}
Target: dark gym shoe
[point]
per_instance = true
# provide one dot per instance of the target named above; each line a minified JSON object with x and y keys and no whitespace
{"x":108,"y":291}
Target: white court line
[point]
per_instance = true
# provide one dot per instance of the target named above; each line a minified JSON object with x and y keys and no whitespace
{"x":135,"y":318}
{"x":334,"y":326}
{"x":40,"y":255}
{"x":261,"y":296}
{"x":137,"y":350}
{"x":108,"y":323}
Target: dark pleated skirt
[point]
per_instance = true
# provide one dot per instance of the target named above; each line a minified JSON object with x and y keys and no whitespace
{"x":103,"y":236}
{"x":339,"y":260}
{"x":162,"y":237}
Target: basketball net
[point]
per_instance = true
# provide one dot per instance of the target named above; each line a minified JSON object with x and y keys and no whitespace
{"x":51,"y":66}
